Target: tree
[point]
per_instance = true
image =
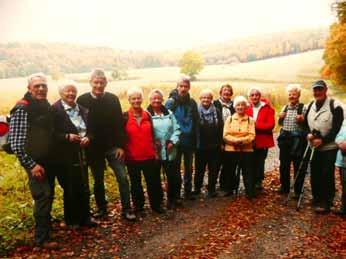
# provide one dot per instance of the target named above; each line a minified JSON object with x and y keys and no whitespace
{"x":119,"y":70}
{"x":335,"y":50}
{"x":191,"y":64}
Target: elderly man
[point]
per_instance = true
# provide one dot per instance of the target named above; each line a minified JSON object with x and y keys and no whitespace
{"x":106,"y":125}
{"x":31,"y":133}
{"x":324,"y":118}
{"x":185,"y":110}
{"x":291,"y":140}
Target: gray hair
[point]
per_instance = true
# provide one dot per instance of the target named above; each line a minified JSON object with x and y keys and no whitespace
{"x":65,"y":84}
{"x":240,"y":99}
{"x":98,"y":72}
{"x":206,"y":91}
{"x":134,"y":90}
{"x":184,"y":79}
{"x":40,"y":75}
{"x":294,"y":87}
{"x":155,"y":91}
{"x":255,"y":88}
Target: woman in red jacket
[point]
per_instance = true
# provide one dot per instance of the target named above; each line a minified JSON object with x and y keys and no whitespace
{"x":141,"y":154}
{"x":264,"y":115}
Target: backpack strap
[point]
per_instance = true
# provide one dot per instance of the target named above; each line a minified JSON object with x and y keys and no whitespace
{"x":331,"y":105}
{"x":300,"y":108}
{"x":285,"y":109}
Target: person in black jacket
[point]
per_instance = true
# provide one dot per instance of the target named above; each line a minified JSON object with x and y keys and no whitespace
{"x":209,"y":140}
{"x":225,"y":105}
{"x":106,"y":125}
{"x":72,"y":138}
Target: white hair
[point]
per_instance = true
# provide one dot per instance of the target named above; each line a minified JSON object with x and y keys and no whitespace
{"x":40,"y":75}
{"x":255,"y":88}
{"x":98,"y":72}
{"x":155,"y":91}
{"x":134,"y":90}
{"x":65,"y":84}
{"x":239,"y":99}
{"x":205,"y":92}
{"x":293,"y":87}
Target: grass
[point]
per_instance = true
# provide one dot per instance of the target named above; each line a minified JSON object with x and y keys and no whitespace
{"x":271,"y":75}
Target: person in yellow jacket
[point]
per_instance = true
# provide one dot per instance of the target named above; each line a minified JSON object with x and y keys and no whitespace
{"x":238,"y":135}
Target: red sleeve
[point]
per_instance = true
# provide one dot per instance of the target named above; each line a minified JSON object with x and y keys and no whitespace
{"x":266,"y":121}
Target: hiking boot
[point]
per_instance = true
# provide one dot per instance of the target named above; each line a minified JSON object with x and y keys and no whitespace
{"x":101,"y":213}
{"x":51,"y":245}
{"x":159,"y":210}
{"x":212,"y":194}
{"x":89,"y":223}
{"x":128,"y":215}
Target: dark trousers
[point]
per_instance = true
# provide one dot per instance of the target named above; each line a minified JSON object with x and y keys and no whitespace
{"x":188,"y":156}
{"x":221,"y":170}
{"x":244,"y":161}
{"x":322,"y":177}
{"x":260,"y":156}
{"x":286,"y":158}
{"x":204,"y":158}
{"x":41,"y":193}
{"x":173,"y":179}
{"x":343,"y":186}
{"x":151,"y":171}
{"x":76,"y":200}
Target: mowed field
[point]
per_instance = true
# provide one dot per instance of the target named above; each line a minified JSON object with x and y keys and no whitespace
{"x":272,"y":75}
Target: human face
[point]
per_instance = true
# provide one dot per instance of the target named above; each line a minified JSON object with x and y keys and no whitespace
{"x":320,"y":94}
{"x":38,"y":88}
{"x":135,"y":101}
{"x":206,"y":100}
{"x":156,"y":101}
{"x":240,"y":108}
{"x":69,"y":95}
{"x":254,"y":97}
{"x":226,"y":95}
{"x":98,"y":85}
{"x":183,"y":88}
{"x":293,"y":97}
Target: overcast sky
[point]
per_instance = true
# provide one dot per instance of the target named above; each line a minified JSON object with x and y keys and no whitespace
{"x":155,"y":24}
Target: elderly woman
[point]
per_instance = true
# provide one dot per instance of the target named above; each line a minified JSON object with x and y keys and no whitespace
{"x":341,"y":164}
{"x":238,"y":135}
{"x":291,"y":140}
{"x":72,"y":139}
{"x":264,"y":115}
{"x":209,"y":140}
{"x":141,"y":154}
{"x":166,"y":133}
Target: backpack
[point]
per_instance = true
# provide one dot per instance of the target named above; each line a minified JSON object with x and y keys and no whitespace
{"x":331,"y":106}
{"x":300,"y":108}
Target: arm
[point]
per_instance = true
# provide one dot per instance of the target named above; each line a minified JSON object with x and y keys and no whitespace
{"x":120,"y":129}
{"x":338,"y":118}
{"x":176,"y":131}
{"x":250,"y":137}
{"x":17,"y":138}
{"x":269,"y":122}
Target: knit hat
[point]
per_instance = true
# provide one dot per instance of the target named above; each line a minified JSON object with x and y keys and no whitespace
{"x":319,"y":84}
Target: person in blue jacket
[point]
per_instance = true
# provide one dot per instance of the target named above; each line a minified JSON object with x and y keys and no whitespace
{"x":341,"y":163}
{"x":185,"y":111}
{"x":166,"y":133}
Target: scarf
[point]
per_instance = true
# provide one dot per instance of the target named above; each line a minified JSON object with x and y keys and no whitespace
{"x":226,"y":109}
{"x":208,"y":116}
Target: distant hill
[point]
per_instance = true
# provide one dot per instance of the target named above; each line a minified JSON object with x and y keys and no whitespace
{"x":21,"y":59}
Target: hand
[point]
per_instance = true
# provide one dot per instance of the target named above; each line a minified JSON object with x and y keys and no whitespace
{"x":300,"y":118}
{"x":237,"y":142}
{"x":74,"y":138}
{"x":38,"y":172}
{"x":169,"y":147}
{"x":120,"y":154}
{"x":84,"y":142}
{"x":222,"y":147}
{"x":342,"y":146}
{"x":158,"y":145}
{"x":316,"y":142}
{"x":282,"y":115}
{"x":309,"y":137}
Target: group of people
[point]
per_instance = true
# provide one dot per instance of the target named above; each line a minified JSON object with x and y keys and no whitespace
{"x":226,"y":137}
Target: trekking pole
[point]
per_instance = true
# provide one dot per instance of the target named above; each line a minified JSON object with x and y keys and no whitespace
{"x":308,"y":170}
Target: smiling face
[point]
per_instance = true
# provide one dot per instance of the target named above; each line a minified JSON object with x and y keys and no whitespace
{"x":98,"y":85}
{"x":226,"y":94}
{"x":136,"y":100}
{"x":156,"y":100}
{"x":69,"y":94}
{"x":240,"y":108}
{"x":206,"y":100}
{"x":254,"y":97}
{"x":320,"y":94}
{"x":293,"y":97}
{"x":38,"y":88}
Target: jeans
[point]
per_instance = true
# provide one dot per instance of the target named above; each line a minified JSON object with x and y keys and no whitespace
{"x":97,"y":168}
{"x":188,"y":156}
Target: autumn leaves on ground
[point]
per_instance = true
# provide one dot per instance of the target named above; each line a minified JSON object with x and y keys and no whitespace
{"x":223,"y":227}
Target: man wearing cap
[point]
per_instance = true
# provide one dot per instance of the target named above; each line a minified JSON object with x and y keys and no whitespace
{"x":324,"y":119}
{"x":106,"y":125}
{"x":31,"y":132}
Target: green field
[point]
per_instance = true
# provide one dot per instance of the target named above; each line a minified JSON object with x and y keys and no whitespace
{"x":271,"y":74}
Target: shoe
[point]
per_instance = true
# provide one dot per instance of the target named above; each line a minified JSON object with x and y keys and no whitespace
{"x":212,"y":195}
{"x":228,"y":194}
{"x":259,"y":186}
{"x":89,"y":223}
{"x":48,"y":245}
{"x":295,"y":196}
{"x":282,"y":191}
{"x":74,"y":226}
{"x":159,"y":210}
{"x":341,"y":212}
{"x":178,"y":202}
{"x":189,"y":197}
{"x":129,"y":216}
{"x":196,"y":192}
{"x":170,"y":205}
{"x":322,"y":210}
{"x":101,"y":213}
